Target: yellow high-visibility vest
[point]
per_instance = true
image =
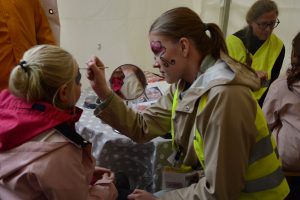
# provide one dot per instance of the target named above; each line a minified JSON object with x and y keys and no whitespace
{"x":262,"y":60}
{"x":264,"y":178}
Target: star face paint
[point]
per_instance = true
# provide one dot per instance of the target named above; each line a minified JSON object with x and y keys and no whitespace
{"x":159,"y":50}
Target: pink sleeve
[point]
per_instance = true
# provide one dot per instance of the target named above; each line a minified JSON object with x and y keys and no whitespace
{"x":271,"y":106}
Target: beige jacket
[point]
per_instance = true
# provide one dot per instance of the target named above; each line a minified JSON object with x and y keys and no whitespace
{"x":226,"y":124}
{"x":50,"y":167}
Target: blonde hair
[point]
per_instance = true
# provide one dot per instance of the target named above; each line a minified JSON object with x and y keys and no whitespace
{"x":40,"y":74}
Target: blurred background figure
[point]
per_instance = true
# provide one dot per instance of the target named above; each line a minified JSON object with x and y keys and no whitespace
{"x":23,"y":24}
{"x":282,"y":108}
{"x":117,"y":81}
{"x":256,"y":45}
{"x":134,"y":82}
{"x":51,"y":10}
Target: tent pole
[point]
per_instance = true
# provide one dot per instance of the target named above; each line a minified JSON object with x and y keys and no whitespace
{"x":224,"y":15}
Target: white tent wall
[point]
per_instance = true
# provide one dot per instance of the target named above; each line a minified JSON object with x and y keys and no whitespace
{"x":117,"y":30}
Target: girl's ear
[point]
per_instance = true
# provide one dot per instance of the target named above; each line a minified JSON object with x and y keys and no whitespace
{"x":185,"y":46}
{"x":63,"y":94}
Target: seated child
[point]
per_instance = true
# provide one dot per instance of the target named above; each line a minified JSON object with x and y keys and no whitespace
{"x":41,"y":155}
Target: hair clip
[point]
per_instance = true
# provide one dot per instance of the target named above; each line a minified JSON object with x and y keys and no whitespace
{"x":24,"y":65}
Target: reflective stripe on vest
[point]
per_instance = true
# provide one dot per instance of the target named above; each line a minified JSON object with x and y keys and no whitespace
{"x":174,"y":106}
{"x":263,"y":59}
{"x":264,"y":178}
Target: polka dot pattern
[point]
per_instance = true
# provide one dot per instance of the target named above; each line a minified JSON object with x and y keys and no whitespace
{"x":141,"y":162}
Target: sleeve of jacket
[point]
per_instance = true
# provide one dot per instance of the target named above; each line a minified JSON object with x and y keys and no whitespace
{"x":141,"y":127}
{"x":227,"y":127}
{"x":44,"y":34}
{"x":271,"y":106}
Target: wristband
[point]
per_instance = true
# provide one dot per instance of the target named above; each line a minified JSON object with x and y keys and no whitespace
{"x":104,"y":103}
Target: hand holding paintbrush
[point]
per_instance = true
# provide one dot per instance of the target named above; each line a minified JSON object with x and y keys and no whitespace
{"x":96,"y":75}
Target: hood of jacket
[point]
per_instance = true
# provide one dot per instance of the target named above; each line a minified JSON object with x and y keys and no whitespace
{"x":11,"y":161}
{"x":224,"y":71}
{"x":20,"y":121}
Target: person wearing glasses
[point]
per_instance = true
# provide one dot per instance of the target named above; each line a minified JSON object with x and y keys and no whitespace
{"x":257,"y":46}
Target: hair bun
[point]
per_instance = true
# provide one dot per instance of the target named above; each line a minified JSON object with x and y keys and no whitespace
{"x":24,"y":65}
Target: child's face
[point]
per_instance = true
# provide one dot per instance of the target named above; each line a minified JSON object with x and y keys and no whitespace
{"x":73,"y":90}
{"x":77,"y":85}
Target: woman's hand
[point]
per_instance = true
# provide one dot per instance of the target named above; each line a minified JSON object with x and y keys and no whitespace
{"x":138,"y":194}
{"x":263,"y":75}
{"x":96,"y":75}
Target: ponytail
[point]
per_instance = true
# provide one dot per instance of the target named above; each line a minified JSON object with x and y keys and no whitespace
{"x":217,"y":40}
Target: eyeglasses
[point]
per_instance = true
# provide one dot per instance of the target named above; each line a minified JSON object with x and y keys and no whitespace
{"x":264,"y":25}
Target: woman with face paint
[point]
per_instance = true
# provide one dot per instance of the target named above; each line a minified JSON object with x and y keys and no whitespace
{"x":215,"y":122}
{"x":257,"y":46}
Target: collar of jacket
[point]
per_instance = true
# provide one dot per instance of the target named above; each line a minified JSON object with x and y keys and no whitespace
{"x":224,"y":71}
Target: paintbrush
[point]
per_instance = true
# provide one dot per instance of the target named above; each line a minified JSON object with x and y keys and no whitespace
{"x":100,"y":67}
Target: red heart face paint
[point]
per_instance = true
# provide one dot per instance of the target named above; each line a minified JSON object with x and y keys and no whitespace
{"x":159,"y":50}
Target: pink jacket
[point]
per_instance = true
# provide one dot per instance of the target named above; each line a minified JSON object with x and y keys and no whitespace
{"x":48,"y":165}
{"x":282,"y":108}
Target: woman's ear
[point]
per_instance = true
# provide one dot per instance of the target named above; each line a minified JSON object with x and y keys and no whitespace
{"x":185,"y":46}
{"x":63,"y":94}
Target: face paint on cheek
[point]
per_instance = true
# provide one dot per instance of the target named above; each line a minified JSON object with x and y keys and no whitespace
{"x":166,"y":62}
{"x":160,"y":50}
